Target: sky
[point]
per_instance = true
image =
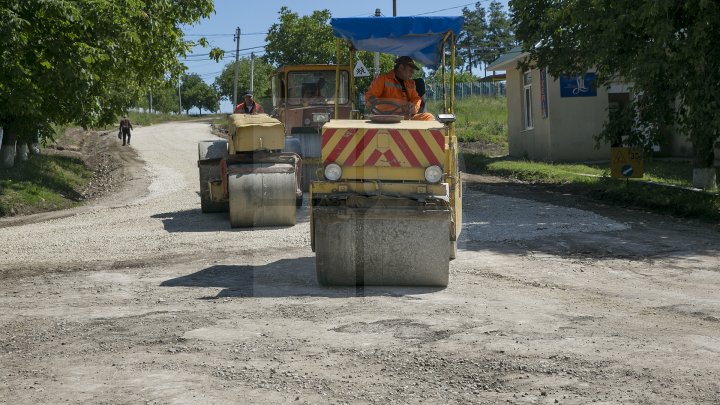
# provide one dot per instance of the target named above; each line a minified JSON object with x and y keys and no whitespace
{"x":255,"y":17}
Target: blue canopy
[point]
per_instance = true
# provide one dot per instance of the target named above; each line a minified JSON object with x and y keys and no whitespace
{"x":417,"y":37}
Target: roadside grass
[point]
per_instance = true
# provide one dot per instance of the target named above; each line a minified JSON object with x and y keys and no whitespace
{"x":42,"y":183}
{"x":479,"y":119}
{"x":664,"y":188}
{"x":146,"y":119}
{"x":48,"y":182}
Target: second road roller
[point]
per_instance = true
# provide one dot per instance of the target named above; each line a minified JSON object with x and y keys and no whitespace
{"x":250,"y":176}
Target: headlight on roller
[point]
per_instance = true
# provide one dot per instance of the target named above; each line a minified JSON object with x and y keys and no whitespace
{"x":321,"y":118}
{"x":433,"y":174}
{"x":333,"y":172}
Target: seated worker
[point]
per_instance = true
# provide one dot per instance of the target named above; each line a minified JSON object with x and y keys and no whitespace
{"x":249,"y":106}
{"x":310,"y":96}
{"x":398,"y":87}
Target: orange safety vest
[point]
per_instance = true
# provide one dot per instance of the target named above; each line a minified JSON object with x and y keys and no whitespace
{"x":387,"y":87}
{"x":256,"y":109}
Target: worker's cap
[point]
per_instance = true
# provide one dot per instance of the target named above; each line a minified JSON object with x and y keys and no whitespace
{"x":406,"y":60}
{"x":248,"y":94}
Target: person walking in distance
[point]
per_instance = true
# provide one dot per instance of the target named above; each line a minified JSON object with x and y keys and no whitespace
{"x":125,"y":127}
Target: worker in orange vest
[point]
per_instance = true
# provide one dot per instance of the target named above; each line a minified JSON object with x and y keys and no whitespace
{"x":398,"y":88}
{"x":249,"y":106}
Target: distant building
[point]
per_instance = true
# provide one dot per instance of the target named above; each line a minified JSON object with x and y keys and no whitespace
{"x":555,"y":119}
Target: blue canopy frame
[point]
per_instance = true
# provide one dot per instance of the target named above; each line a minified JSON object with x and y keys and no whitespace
{"x":421,"y":38}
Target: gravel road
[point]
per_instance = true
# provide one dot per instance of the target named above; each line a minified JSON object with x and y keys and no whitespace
{"x":140,"y":298}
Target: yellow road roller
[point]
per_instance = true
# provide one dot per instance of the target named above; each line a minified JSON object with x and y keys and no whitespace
{"x":388,"y":210}
{"x":303,"y":100}
{"x":250,"y":176}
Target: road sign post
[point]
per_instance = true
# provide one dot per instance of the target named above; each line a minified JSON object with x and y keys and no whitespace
{"x":626,"y":163}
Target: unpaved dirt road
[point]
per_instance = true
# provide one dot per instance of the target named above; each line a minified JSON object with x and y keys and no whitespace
{"x":140,"y":298}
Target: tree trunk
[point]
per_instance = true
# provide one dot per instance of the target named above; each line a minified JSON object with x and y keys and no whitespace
{"x":704,"y":175}
{"x":705,"y":178}
{"x":7,"y":152}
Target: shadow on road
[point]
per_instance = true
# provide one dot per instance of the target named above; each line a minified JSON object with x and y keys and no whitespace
{"x":196,"y":221}
{"x":283,"y":278}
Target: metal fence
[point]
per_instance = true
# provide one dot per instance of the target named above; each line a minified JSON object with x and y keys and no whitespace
{"x":463,"y":90}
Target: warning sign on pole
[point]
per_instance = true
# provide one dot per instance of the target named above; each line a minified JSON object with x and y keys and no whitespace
{"x":360,"y":70}
{"x":626,"y":163}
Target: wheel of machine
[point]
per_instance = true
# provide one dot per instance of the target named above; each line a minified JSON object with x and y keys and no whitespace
{"x":260,"y":198}
{"x":381,"y":246}
{"x":209,"y":155}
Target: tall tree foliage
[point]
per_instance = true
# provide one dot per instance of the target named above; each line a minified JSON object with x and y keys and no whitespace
{"x":486,"y":35}
{"x":471,"y":42}
{"x":85,"y":62}
{"x":299,"y":40}
{"x":499,"y":37}
{"x":666,"y":48}
{"x":196,"y":93}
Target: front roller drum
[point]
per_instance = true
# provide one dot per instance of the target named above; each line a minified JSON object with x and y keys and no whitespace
{"x":262,"y":198}
{"x":389,"y":246}
{"x":209,"y":155}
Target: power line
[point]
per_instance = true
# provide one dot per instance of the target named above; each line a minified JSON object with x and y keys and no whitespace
{"x":227,"y":51}
{"x":449,"y":8}
{"x":225,"y":35}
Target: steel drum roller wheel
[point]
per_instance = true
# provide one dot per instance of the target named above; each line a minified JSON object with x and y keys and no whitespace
{"x":381,"y":246}
{"x":209,"y":155}
{"x":262,"y":199}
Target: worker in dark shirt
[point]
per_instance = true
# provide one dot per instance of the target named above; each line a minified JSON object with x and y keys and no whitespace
{"x":125,"y":127}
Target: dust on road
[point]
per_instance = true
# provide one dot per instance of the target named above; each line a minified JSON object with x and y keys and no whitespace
{"x":141,"y":298}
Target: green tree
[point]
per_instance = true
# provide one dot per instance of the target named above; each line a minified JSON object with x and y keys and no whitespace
{"x":164,"y":98}
{"x":471,"y":41}
{"x":86,"y":62}
{"x":209,"y":99}
{"x":262,"y":73}
{"x":299,"y":40}
{"x":499,"y":37}
{"x":196,"y":93}
{"x":666,"y":49}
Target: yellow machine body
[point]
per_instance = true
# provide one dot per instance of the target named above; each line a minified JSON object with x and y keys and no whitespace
{"x":255,"y":132}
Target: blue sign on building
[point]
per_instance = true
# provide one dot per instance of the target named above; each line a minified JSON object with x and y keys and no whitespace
{"x":578,"y":86}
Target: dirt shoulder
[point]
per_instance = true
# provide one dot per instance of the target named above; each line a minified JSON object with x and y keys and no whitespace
{"x":116,"y":172}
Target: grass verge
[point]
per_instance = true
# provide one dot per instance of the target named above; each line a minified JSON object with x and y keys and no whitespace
{"x":664,"y":187}
{"x":42,"y":183}
{"x":479,"y":119}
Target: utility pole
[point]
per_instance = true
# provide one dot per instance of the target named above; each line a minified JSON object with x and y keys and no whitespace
{"x":376,"y":73}
{"x":237,"y":57}
{"x":252,"y":72}
{"x":151,"y":110}
{"x":179,"y":99}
